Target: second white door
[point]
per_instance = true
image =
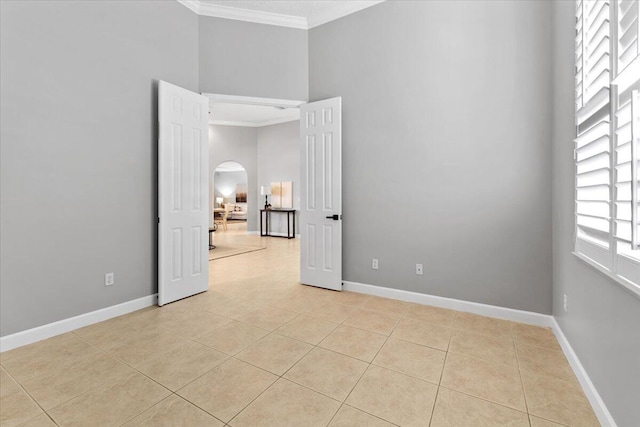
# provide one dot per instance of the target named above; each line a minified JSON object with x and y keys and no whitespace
{"x":321,"y":194}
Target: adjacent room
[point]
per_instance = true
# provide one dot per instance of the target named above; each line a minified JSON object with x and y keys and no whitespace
{"x":320,"y":213}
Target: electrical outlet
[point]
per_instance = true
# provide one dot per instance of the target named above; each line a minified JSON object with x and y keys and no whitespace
{"x":419,"y":269}
{"x":109,"y":279}
{"x":374,"y":264}
{"x":564,"y":302}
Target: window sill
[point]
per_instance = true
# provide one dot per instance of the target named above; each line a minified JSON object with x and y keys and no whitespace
{"x":630,"y":287}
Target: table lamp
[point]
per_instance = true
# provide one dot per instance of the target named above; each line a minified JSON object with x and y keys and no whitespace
{"x":265,"y":190}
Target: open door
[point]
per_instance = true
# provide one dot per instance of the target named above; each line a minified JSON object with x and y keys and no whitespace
{"x":321,"y":194}
{"x":183,"y":194}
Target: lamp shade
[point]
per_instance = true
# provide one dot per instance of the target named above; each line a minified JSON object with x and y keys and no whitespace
{"x":265,"y":190}
{"x":219,"y":200}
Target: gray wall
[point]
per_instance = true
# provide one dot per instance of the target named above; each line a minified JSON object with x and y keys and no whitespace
{"x":243,"y":58}
{"x":603,"y":319}
{"x":279,"y":160}
{"x":78,"y":152}
{"x":228,"y":181}
{"x":446,"y":152}
{"x":238,"y":144}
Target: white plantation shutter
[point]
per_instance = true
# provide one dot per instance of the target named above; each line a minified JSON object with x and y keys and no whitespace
{"x":593,"y":142}
{"x":628,"y":32}
{"x":607,"y":144}
{"x":595,"y":67}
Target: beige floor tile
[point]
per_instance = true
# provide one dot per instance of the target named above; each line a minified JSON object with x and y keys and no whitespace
{"x":394,"y":397}
{"x":423,"y":333}
{"x":234,"y":310}
{"x":268,"y":318}
{"x":51,"y":390}
{"x":390,"y":307}
{"x":539,"y":422}
{"x":228,"y":388}
{"x":55,"y":357}
{"x":534,"y":335}
{"x":16,"y":407}
{"x":39,"y":421}
{"x":558,"y":400}
{"x":499,"y":349}
{"x":275,"y":353}
{"x":182,"y":365}
{"x":373,"y":321}
{"x":327,"y":372}
{"x":233,"y":337}
{"x":308,"y":329}
{"x":287,"y":404}
{"x":482,"y":325}
{"x":435,"y":315}
{"x":103,"y":334}
{"x":491,"y":381}
{"x":352,"y":417}
{"x":412,"y":359}
{"x":174,"y":411}
{"x":333,"y":312}
{"x":140,"y":349}
{"x":352,"y":299}
{"x":363,"y":345}
{"x":296,"y":303}
{"x":110,"y":404}
{"x":455,"y":409}
{"x":51,"y":345}
{"x":198,"y":324}
{"x":539,"y":360}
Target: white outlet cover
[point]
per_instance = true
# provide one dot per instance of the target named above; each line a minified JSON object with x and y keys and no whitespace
{"x":109,"y":279}
{"x":374,"y":264}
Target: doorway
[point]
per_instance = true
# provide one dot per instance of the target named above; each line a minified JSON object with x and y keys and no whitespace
{"x":252,"y":142}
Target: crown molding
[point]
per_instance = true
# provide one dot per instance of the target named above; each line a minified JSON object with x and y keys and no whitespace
{"x":345,"y":8}
{"x":255,"y":16}
{"x":219,"y":11}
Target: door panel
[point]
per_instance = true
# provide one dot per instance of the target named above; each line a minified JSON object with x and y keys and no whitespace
{"x":183,"y":195}
{"x":321,"y":176}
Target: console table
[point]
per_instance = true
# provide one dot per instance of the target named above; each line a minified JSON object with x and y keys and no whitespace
{"x":266,"y":213}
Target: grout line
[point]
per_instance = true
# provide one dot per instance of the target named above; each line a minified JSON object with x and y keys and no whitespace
{"x":524,"y":394}
{"x":444,"y":362}
{"x":489,"y":401}
{"x":24,"y":390}
{"x":146,"y":409}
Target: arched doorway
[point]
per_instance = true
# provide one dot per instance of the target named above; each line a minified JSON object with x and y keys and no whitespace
{"x":230,"y":196}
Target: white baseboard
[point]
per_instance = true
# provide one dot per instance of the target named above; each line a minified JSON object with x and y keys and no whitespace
{"x":603,"y":414}
{"x":537,"y":319}
{"x":9,"y":342}
{"x":521,"y":316}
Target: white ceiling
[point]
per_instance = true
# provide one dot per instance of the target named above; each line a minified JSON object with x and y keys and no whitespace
{"x":229,"y":167}
{"x":303,"y":14}
{"x":248,"y":115}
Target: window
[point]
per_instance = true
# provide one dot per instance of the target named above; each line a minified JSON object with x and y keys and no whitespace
{"x":607,"y":144}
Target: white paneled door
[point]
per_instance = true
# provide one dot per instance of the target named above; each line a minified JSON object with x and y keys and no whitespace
{"x":321,"y":194}
{"x":183,"y":194}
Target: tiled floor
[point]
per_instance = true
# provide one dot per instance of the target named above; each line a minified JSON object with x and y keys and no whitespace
{"x":259,"y":349}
